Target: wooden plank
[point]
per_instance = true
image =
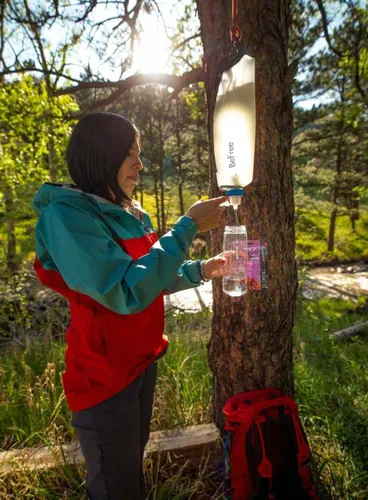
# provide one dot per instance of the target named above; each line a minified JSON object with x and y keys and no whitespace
{"x":191,"y":444}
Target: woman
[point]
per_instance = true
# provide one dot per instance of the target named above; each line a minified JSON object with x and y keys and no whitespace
{"x":99,"y":250}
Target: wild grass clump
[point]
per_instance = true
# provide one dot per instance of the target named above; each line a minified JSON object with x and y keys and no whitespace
{"x":32,"y":404}
{"x":165,"y":481}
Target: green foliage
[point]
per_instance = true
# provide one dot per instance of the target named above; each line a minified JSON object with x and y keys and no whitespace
{"x":29,"y":116}
{"x":30,"y":120}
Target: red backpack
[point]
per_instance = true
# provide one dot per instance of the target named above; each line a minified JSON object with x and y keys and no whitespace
{"x":270,"y":456}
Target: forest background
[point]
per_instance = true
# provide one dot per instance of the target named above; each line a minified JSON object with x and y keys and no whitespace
{"x":57,"y":61}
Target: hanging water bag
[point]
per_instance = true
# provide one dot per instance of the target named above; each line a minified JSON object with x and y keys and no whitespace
{"x":235,"y":124}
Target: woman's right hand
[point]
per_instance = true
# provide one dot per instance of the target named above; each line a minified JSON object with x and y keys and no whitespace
{"x":206,"y":213}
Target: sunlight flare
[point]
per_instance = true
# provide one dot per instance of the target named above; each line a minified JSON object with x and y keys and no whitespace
{"x":151,"y":53}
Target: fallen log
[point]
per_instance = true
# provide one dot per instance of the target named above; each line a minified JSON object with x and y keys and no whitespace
{"x":346,"y":333}
{"x":190,"y":445}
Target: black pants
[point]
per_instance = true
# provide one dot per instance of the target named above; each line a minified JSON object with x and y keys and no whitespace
{"x":112,"y":436}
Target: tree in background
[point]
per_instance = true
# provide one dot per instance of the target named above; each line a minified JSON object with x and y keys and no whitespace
{"x":149,"y":108}
{"x":330,"y":139}
{"x":174,"y":145}
{"x":198,"y":153}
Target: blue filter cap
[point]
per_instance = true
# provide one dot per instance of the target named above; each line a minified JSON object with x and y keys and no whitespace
{"x":235,"y":192}
{"x":235,"y":196}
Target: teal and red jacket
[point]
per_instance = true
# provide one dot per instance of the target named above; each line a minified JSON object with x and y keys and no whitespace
{"x":114,"y":271}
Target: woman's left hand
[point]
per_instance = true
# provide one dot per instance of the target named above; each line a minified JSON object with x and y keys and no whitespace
{"x":215,"y":267}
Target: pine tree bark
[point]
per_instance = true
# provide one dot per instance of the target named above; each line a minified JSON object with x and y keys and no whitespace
{"x":335,"y":193}
{"x":141,"y":192}
{"x":52,"y":157}
{"x":251,"y":342}
{"x":340,"y":157}
{"x":331,"y":230}
{"x":179,"y":160}
{"x":180,"y":171}
{"x":157,"y":201}
{"x":161,"y":174}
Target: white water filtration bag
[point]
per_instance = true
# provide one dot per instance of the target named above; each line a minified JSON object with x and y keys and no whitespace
{"x":235,"y":125}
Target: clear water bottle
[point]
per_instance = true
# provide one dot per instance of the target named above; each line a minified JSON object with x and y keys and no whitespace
{"x":234,"y":283}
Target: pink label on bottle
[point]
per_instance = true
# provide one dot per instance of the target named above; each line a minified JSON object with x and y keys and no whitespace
{"x":253,"y":265}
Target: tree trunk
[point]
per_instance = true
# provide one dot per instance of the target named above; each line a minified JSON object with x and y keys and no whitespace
{"x":180,"y":170}
{"x":11,"y":252}
{"x":251,"y":343}
{"x":162,"y":197}
{"x":335,"y":194}
{"x":207,"y":238}
{"x":52,"y":158}
{"x":179,"y":159}
{"x":157,"y":200}
{"x":331,"y":231}
{"x":141,"y":190}
{"x":161,"y":174}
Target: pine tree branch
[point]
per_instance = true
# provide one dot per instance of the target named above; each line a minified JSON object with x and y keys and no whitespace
{"x":291,"y":72}
{"x":92,"y":5}
{"x":184,"y":42}
{"x":173,"y":81}
{"x":357,"y":66}
{"x":314,"y":139}
{"x":325,"y":28}
{"x":38,"y":43}
{"x":2,"y":29}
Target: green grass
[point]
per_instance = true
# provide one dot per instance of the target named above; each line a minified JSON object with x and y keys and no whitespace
{"x":331,"y":389}
{"x":312,"y":233}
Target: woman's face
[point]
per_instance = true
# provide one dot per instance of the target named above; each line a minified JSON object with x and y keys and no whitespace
{"x":128,"y":172}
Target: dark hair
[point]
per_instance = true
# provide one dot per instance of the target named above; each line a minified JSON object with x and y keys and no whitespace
{"x":97,"y":147}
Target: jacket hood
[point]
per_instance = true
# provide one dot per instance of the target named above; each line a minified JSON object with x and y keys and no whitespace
{"x":49,"y":192}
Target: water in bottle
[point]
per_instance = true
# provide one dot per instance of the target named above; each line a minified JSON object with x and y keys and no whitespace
{"x":234,"y":282}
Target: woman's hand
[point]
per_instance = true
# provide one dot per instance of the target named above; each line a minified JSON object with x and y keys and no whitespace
{"x":206,"y":213}
{"x":215,"y":267}
{"x":224,"y":263}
